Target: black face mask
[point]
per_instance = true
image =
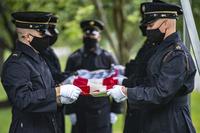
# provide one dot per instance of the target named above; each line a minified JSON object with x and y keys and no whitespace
{"x":89,"y":43}
{"x":54,"y":32}
{"x":40,"y":44}
{"x":53,"y":39}
{"x":155,"y":36}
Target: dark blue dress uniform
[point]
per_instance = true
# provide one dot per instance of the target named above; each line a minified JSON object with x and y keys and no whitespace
{"x":163,"y":100}
{"x":93,"y":113}
{"x":28,"y":83}
{"x":52,"y":61}
{"x":50,"y":57}
{"x":136,"y":74}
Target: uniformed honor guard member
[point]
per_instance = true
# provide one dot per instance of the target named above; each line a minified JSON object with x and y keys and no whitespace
{"x":49,"y":55}
{"x":27,"y":79}
{"x":94,"y":114}
{"x":135,"y":71}
{"x":163,"y":100}
{"x":52,"y":61}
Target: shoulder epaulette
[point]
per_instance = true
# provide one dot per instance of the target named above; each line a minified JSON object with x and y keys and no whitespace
{"x":171,"y":49}
{"x":16,"y":53}
{"x":178,"y":46}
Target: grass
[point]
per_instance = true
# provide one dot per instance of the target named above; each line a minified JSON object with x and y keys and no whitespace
{"x":195,"y":108}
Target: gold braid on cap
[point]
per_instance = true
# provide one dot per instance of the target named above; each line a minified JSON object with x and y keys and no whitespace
{"x":26,"y":22}
{"x":170,"y":12}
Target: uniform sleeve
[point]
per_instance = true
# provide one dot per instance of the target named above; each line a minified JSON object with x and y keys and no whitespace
{"x":167,"y":84}
{"x":54,"y":65}
{"x":22,"y":94}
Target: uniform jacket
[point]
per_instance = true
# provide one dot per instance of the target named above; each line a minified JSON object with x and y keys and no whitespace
{"x":135,"y":70}
{"x":93,"y":113}
{"x":163,"y":101}
{"x":30,"y":88}
{"x":53,"y":63}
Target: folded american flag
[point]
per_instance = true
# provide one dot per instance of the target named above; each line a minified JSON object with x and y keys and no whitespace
{"x":96,"y":82}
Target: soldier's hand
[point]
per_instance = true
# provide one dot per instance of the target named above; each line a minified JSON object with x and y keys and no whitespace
{"x":66,"y":100}
{"x":118,"y":92}
{"x":73,"y":118}
{"x":68,"y":93}
{"x":113,"y":118}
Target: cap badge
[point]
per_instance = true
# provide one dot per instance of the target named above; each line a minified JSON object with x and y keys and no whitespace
{"x":143,"y":8}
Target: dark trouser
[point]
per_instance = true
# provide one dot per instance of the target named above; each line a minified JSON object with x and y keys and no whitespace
{"x":60,"y":121}
{"x":132,"y":121}
{"x":74,"y":129}
{"x":93,"y":121}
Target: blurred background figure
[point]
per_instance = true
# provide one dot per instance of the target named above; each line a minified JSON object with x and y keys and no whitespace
{"x":92,"y":114}
{"x":52,"y":61}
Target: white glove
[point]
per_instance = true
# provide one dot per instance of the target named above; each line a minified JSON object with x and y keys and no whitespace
{"x":117,"y":94}
{"x":66,"y":100}
{"x":73,"y":118}
{"x":70,"y":91}
{"x":113,"y":118}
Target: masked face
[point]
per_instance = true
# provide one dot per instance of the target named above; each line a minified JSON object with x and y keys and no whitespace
{"x":155,"y":36}
{"x":53,"y":39}
{"x":40,"y":44}
{"x":89,"y":43}
{"x":54,"y":32}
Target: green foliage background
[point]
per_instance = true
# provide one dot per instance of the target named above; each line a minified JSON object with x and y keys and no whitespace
{"x":70,"y":13}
